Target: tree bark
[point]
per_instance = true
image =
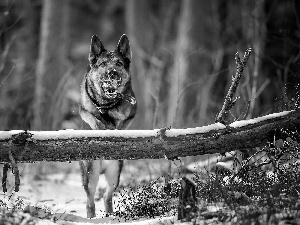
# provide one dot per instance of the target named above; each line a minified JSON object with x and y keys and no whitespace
{"x":138,"y":144}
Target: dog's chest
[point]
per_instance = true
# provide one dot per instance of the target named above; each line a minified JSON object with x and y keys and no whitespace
{"x":120,"y":113}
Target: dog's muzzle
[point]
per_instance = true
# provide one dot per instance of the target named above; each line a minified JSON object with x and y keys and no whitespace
{"x":110,"y":83}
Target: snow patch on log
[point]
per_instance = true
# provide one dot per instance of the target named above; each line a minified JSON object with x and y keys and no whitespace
{"x":196,"y":130}
{"x":4,"y":135}
{"x":242,"y":123}
{"x":70,"y":133}
{"x":67,"y":134}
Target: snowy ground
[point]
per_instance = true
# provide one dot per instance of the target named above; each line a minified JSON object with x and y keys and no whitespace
{"x":64,"y":196}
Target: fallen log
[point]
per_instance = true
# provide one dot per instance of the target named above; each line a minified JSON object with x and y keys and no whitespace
{"x":73,"y":145}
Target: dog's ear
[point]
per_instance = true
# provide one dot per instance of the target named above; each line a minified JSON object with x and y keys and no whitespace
{"x":96,"y":49}
{"x":124,"y":47}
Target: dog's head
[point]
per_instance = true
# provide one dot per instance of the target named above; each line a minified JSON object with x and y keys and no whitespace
{"x":109,"y":70}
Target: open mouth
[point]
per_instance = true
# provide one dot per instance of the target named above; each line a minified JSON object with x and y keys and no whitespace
{"x":110,"y":84}
{"x":110,"y":92}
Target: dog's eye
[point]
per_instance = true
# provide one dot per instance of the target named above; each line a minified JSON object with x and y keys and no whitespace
{"x":102,"y":64}
{"x":119,"y":63}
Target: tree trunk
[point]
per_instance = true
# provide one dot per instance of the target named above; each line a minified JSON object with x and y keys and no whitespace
{"x":27,"y":55}
{"x":203,"y":63}
{"x":18,"y":52}
{"x":141,"y":37}
{"x":256,"y":35}
{"x":51,"y":64}
{"x":178,"y":73}
{"x":136,"y":144}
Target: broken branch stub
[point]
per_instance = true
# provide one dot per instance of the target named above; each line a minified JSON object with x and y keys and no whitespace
{"x":229,"y":101}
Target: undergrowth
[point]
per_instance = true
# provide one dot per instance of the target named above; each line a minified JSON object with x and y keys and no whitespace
{"x":148,"y":200}
{"x":18,"y":212}
{"x":15,"y":214}
{"x":256,"y":194}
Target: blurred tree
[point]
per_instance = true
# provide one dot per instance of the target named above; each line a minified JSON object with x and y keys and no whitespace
{"x":280,"y":59}
{"x":151,"y":26}
{"x":27,"y":54}
{"x":179,"y":72}
{"x":141,"y":36}
{"x":255,"y":34}
{"x":19,"y":35}
{"x":200,"y":57}
{"x":52,"y":62}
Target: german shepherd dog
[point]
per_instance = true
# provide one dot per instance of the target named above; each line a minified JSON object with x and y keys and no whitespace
{"x":107,"y":102}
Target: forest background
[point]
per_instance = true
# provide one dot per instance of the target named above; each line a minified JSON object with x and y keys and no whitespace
{"x":183,"y":58}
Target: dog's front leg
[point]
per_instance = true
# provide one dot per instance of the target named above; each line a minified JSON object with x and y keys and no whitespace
{"x":90,"y":175}
{"x":112,"y":174}
{"x":90,"y":121}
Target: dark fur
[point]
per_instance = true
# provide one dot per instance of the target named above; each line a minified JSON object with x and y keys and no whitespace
{"x":107,"y":102}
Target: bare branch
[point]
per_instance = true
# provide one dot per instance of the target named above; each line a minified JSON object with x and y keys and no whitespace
{"x":229,"y":100}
